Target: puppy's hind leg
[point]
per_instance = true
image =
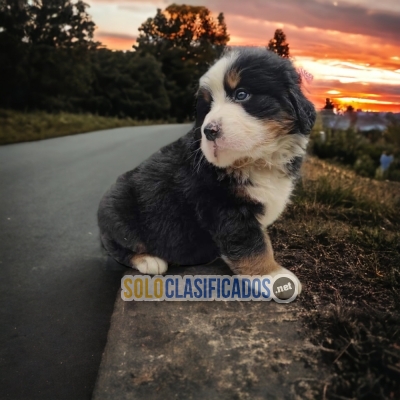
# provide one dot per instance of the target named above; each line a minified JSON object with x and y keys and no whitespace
{"x":143,"y":262}
{"x":119,"y":253}
{"x":149,"y":265}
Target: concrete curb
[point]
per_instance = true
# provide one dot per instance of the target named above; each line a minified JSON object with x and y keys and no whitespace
{"x":205,"y":350}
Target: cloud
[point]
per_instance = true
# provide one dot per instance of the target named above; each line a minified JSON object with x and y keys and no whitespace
{"x":142,"y":8}
{"x":119,"y":36}
{"x":316,"y":28}
{"x":316,"y":42}
{"x":375,"y":85}
{"x":115,"y":41}
{"x":347,"y":17}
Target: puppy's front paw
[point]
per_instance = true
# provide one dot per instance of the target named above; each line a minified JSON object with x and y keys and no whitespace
{"x":149,"y":265}
{"x":285,"y":271}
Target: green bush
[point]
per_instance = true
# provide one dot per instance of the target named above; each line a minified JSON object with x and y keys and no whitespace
{"x":365,"y":166}
{"x":355,"y":150}
{"x":393,"y":172}
{"x":343,"y":146}
{"x":394,"y":175}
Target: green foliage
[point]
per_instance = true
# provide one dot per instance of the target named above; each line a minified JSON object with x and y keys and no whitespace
{"x":341,"y":145}
{"x":189,"y":28}
{"x":186,"y":40}
{"x":59,"y":23}
{"x":322,"y":191}
{"x":13,"y":19}
{"x":374,"y":135}
{"x":56,"y":23}
{"x":357,"y":151}
{"x":365,"y":165}
{"x":392,"y":134}
{"x":393,"y":172}
{"x":44,"y":54}
{"x":49,"y":61}
{"x":278,"y":44}
{"x":127,"y":84}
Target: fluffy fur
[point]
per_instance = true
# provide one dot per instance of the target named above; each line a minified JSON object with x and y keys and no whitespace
{"x":213,"y":192}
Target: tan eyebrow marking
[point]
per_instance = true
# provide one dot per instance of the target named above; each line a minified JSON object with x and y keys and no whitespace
{"x":205,"y":94}
{"x":232,"y":78}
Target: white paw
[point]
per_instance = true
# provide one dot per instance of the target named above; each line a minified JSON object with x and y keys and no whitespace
{"x":291,"y":274}
{"x":151,"y":265}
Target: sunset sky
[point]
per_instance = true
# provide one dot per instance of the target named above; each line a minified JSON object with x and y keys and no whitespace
{"x":351,"y":47}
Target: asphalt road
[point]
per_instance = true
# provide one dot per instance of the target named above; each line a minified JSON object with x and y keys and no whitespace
{"x":57,"y":288}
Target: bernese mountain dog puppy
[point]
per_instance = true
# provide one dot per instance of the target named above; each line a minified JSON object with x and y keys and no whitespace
{"x":213,"y":192}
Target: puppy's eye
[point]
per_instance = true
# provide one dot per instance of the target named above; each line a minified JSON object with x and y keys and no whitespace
{"x":241,"y":95}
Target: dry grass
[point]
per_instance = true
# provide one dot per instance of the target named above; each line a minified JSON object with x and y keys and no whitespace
{"x":341,"y":186}
{"x":25,"y":127}
{"x":341,"y":237}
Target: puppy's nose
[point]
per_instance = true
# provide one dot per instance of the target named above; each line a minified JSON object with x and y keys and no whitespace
{"x":212,"y":131}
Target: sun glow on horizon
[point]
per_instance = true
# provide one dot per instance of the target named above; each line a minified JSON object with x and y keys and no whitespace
{"x":366,"y":101}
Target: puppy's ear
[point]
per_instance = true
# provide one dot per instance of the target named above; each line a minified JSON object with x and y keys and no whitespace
{"x":304,"y":110}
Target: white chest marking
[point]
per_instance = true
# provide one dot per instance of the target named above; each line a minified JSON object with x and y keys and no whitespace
{"x":271,"y":188}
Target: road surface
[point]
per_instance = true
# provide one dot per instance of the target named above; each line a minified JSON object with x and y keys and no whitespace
{"x":57,"y":288}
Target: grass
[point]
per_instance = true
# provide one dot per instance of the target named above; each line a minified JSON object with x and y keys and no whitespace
{"x":25,"y":127}
{"x":341,"y":236}
{"x":340,"y":189}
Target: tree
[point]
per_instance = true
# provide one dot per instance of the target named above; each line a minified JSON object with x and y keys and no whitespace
{"x":44,"y":53}
{"x":190,"y":28}
{"x":60,"y":23}
{"x":13,"y":19}
{"x":49,"y":61}
{"x":186,"y":40}
{"x":57,"y":23}
{"x":278,"y":44}
{"x":392,"y":134}
{"x":127,"y":84}
{"x":329,"y":105}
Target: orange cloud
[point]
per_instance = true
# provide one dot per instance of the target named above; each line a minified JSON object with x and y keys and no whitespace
{"x":115,"y":41}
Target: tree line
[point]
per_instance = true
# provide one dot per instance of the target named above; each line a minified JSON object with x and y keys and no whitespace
{"x":49,"y":60}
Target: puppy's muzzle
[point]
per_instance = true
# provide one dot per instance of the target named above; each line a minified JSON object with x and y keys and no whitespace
{"x":212,"y":131}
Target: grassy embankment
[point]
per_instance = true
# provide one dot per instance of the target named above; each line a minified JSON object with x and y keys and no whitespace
{"x":25,"y":127}
{"x":341,"y":236}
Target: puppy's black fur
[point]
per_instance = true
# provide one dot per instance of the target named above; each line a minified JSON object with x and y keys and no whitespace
{"x":187,"y":211}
